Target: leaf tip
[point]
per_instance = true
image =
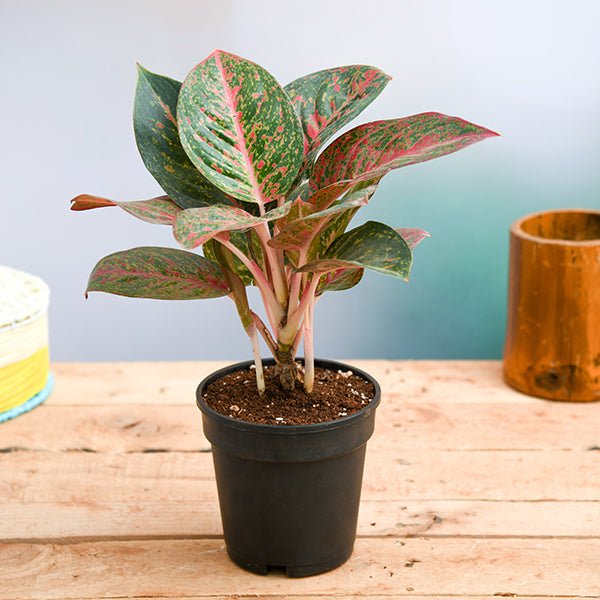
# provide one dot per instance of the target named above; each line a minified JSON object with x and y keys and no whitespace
{"x":141,"y":70}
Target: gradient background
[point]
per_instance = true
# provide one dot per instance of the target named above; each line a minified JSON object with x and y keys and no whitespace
{"x":527,"y":69}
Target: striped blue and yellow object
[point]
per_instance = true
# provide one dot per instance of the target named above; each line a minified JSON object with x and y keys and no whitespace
{"x":25,"y":379}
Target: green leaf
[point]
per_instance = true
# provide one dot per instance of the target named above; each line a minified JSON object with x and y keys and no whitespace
{"x":157,"y":139}
{"x":161,"y":210}
{"x":339,"y":280}
{"x":195,"y":226}
{"x":327,"y":100}
{"x":373,"y":149}
{"x":239,"y":128}
{"x":159,"y":273}
{"x":371,"y":246}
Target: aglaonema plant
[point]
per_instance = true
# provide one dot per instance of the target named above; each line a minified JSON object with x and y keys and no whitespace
{"x":238,"y":158}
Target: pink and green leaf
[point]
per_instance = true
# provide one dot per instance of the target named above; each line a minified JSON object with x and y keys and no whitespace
{"x":195,"y":226}
{"x":327,"y":100}
{"x":158,"y":273}
{"x":413,"y":237}
{"x":157,"y":138}
{"x":239,"y":128}
{"x":372,"y":246}
{"x":297,"y":234}
{"x":161,"y":210}
{"x":339,"y":280}
{"x":373,"y":149}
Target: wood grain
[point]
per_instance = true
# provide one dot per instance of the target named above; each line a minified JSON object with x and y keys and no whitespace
{"x":471,"y":490}
{"x":176,"y":382}
{"x":552,"y":345}
{"x":385,"y":566}
{"x":400,"y":426}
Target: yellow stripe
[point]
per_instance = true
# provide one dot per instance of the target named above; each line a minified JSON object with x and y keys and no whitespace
{"x":22,"y":380}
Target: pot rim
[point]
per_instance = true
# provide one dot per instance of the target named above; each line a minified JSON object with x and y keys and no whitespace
{"x":516,"y":228}
{"x":286,"y":429}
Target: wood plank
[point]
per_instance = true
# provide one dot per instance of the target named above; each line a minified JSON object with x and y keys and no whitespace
{"x":176,"y":382}
{"x":369,"y":596}
{"x":400,"y":426}
{"x":108,"y":519}
{"x":170,"y":493}
{"x":492,"y":476}
{"x":170,"y":568}
{"x":80,"y":384}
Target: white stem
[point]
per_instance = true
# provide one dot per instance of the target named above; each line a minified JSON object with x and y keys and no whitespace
{"x":309,"y":354}
{"x":260,"y":377}
{"x":288,"y":333}
{"x":296,"y":281}
{"x":279,"y":284}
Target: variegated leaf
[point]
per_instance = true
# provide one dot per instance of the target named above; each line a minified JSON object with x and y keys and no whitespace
{"x":328,"y":234}
{"x":325,"y":197}
{"x":298,"y":209}
{"x":195,"y":226}
{"x":300,"y":190}
{"x":371,"y":246}
{"x":327,"y":100}
{"x":158,"y":273}
{"x":239,"y":128}
{"x":298,"y":233}
{"x":373,"y":149}
{"x":157,"y":139}
{"x":339,"y":280}
{"x":161,"y":210}
{"x":413,"y":237}
{"x":240,"y":240}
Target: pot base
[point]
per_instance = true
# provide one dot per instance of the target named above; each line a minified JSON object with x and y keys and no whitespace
{"x":291,"y":570}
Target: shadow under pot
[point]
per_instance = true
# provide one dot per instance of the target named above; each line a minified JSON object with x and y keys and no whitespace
{"x":289,"y":494}
{"x":552,"y":347}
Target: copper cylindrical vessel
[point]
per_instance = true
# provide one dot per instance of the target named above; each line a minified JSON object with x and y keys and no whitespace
{"x":552,"y":347}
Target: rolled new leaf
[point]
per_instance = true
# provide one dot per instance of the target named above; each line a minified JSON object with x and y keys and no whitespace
{"x":157,"y":137}
{"x":195,"y":226}
{"x":327,"y":100}
{"x":158,"y":273}
{"x":161,"y":210}
{"x":239,"y":128}
{"x":372,"y":246}
{"x":373,"y":149}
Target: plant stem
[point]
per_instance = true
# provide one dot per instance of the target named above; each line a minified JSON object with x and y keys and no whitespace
{"x":296,"y":282}
{"x":297,"y":341}
{"x":279,"y":284}
{"x":309,"y":355}
{"x":260,"y":377}
{"x":288,"y":333}
{"x":271,"y":303}
{"x":266,"y":334}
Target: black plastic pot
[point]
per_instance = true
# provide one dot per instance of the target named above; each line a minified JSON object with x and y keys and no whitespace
{"x":289,"y":494}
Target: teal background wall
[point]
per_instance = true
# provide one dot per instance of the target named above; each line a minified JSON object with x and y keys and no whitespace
{"x":527,"y":69}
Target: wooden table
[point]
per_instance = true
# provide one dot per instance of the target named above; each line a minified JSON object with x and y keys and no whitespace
{"x":471,"y":490}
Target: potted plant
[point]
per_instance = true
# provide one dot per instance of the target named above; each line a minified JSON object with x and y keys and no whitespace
{"x":238,"y":158}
